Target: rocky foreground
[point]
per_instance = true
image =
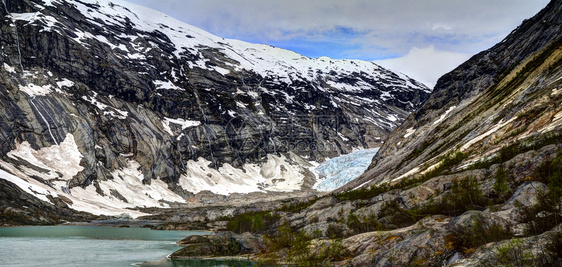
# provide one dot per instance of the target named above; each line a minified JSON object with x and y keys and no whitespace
{"x":484,"y":216}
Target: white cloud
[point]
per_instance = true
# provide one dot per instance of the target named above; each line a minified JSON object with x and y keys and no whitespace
{"x":445,"y":30}
{"x":392,"y":27}
{"x":425,"y":64}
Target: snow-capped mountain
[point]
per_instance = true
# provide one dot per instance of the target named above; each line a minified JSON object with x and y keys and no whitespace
{"x":113,"y":104}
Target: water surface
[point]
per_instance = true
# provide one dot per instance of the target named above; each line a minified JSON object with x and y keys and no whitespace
{"x":89,"y":246}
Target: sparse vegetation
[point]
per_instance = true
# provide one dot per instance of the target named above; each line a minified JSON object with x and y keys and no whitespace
{"x":297,"y":207}
{"x":362,"y":193}
{"x":547,"y":213}
{"x":501,"y":184}
{"x":521,"y":146}
{"x":335,"y":230}
{"x":256,"y":222}
{"x":292,"y":247}
{"x":467,"y":238}
{"x":512,"y":253}
{"x":363,"y":223}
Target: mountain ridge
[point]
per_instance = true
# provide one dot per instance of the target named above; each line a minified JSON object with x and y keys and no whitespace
{"x":145,"y":102}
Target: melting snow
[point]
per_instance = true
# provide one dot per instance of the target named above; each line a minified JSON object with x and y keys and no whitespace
{"x":35,"y":90}
{"x":444,"y":115}
{"x":65,"y":82}
{"x":183,"y":123}
{"x":482,"y":136}
{"x":277,"y":174}
{"x":61,"y":162}
{"x":409,"y":132}
{"x":63,"y":158}
{"x":9,"y":68}
{"x":29,"y":186}
{"x":167,"y":85}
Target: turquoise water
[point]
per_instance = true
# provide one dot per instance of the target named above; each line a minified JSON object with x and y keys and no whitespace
{"x":91,"y":246}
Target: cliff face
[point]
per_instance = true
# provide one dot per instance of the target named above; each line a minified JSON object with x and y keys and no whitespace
{"x":500,"y":96}
{"x":107,"y":100}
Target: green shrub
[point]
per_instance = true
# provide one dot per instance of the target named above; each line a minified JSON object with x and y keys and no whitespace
{"x":297,"y":207}
{"x":316,"y":234}
{"x":513,"y":254}
{"x":362,"y":193}
{"x":314,"y":219}
{"x":553,"y":250}
{"x":285,"y":237}
{"x":395,"y":216}
{"x":464,"y":195}
{"x":296,"y":245}
{"x":467,"y":238}
{"x":363,"y":224}
{"x":547,"y":213}
{"x":256,"y":222}
{"x":542,"y":216}
{"x":501,"y":185}
{"x":335,"y":231}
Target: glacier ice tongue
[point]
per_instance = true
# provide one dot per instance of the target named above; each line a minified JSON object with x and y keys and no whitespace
{"x":338,"y":171}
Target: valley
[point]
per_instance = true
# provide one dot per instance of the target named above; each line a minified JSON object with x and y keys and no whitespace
{"x":109,"y":114}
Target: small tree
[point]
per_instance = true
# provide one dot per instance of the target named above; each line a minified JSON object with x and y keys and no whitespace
{"x":501,"y":186}
{"x":257,"y":223}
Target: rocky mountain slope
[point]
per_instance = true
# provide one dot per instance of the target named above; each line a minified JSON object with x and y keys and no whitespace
{"x":115,"y":106}
{"x":472,"y":178}
{"x":506,"y":95}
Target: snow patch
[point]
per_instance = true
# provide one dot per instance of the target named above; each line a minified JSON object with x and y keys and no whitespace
{"x":444,"y":115}
{"x":128,"y":183}
{"x":179,"y":121}
{"x":63,"y":158}
{"x":113,"y":112}
{"x":61,"y":162}
{"x":409,"y":132}
{"x":166,"y":85}
{"x":409,"y":173}
{"x":36,"y":90}
{"x":9,"y":68}
{"x":486,"y":134}
{"x":220,"y":70}
{"x":30,"y":186}
{"x":65,"y":82}
{"x":277,"y":174}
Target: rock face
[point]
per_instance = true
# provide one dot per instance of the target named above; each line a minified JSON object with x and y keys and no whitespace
{"x":223,"y":244}
{"x":134,"y":103}
{"x":505,"y":95}
{"x":472,"y":178}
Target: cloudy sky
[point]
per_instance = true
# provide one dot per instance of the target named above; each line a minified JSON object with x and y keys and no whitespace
{"x":421,"y":38}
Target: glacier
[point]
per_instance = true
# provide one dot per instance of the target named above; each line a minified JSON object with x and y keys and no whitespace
{"x":338,"y":171}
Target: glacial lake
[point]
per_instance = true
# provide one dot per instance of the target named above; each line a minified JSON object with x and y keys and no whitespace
{"x":93,"y":246}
